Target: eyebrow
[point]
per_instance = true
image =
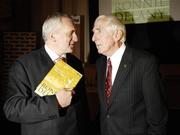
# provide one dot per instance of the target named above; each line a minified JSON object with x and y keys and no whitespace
{"x":95,"y":29}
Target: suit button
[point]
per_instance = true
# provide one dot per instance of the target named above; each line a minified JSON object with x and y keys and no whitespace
{"x":108,"y":116}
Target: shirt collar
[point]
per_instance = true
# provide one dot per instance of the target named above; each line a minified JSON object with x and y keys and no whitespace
{"x":118,"y":54}
{"x":52,"y":54}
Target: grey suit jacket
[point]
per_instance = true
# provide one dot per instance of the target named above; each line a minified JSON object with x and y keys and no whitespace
{"x":40,"y":115}
{"x":137,"y":104}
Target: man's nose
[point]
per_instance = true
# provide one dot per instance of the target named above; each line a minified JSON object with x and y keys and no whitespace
{"x":75,"y":38}
{"x":93,"y":38}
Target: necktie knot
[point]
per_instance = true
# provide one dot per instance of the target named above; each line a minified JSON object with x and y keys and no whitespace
{"x":64,"y":59}
{"x":109,"y":62}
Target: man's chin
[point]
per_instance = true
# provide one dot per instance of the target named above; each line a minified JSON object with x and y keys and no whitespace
{"x":70,"y":51}
{"x":99,"y":51}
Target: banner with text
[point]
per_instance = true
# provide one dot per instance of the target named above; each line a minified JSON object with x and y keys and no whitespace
{"x":141,"y":11}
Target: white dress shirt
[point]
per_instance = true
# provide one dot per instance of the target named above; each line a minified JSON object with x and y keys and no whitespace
{"x":116,"y":60}
{"x":52,"y":54}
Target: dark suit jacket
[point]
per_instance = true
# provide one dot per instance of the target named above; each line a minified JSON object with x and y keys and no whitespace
{"x":40,"y":115}
{"x":137,"y":104}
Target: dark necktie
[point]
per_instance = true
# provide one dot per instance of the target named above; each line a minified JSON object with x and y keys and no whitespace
{"x":64,"y":59}
{"x":61,"y":58}
{"x":108,"y":84}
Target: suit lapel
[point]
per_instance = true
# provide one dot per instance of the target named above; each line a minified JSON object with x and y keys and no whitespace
{"x":46,"y":58}
{"x":70,"y":61}
{"x":102,"y":77}
{"x":122,"y":73}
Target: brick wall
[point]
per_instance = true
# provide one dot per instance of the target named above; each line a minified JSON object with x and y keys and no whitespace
{"x":15,"y":44}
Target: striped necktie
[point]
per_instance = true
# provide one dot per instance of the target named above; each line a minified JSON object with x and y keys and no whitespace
{"x":108,"y":83}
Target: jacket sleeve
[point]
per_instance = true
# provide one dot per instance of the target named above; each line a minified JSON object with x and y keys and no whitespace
{"x":155,"y":99}
{"x":21,"y":104}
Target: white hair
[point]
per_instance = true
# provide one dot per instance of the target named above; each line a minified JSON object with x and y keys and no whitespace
{"x":113,"y":23}
{"x":51,"y":24}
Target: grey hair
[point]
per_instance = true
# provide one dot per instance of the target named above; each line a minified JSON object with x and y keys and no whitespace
{"x":113,"y":23}
{"x":51,"y":24}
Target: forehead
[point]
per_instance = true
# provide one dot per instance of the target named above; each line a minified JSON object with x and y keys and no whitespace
{"x":98,"y":22}
{"x":98,"y":25}
{"x":68,"y":23}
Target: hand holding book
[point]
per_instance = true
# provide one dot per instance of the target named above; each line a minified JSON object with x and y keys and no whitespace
{"x":64,"y":97}
{"x":59,"y":77}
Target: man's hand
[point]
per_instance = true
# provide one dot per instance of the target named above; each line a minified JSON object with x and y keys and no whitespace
{"x":64,"y":97}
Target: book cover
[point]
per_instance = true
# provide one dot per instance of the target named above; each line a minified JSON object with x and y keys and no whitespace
{"x":60,"y":76}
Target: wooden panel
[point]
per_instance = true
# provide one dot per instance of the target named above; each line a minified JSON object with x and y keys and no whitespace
{"x":79,"y":48}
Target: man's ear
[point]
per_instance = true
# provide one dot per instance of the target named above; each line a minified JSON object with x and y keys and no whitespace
{"x":118,"y":34}
{"x":52,"y":37}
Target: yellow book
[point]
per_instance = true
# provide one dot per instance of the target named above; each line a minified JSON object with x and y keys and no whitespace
{"x":60,"y":76}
